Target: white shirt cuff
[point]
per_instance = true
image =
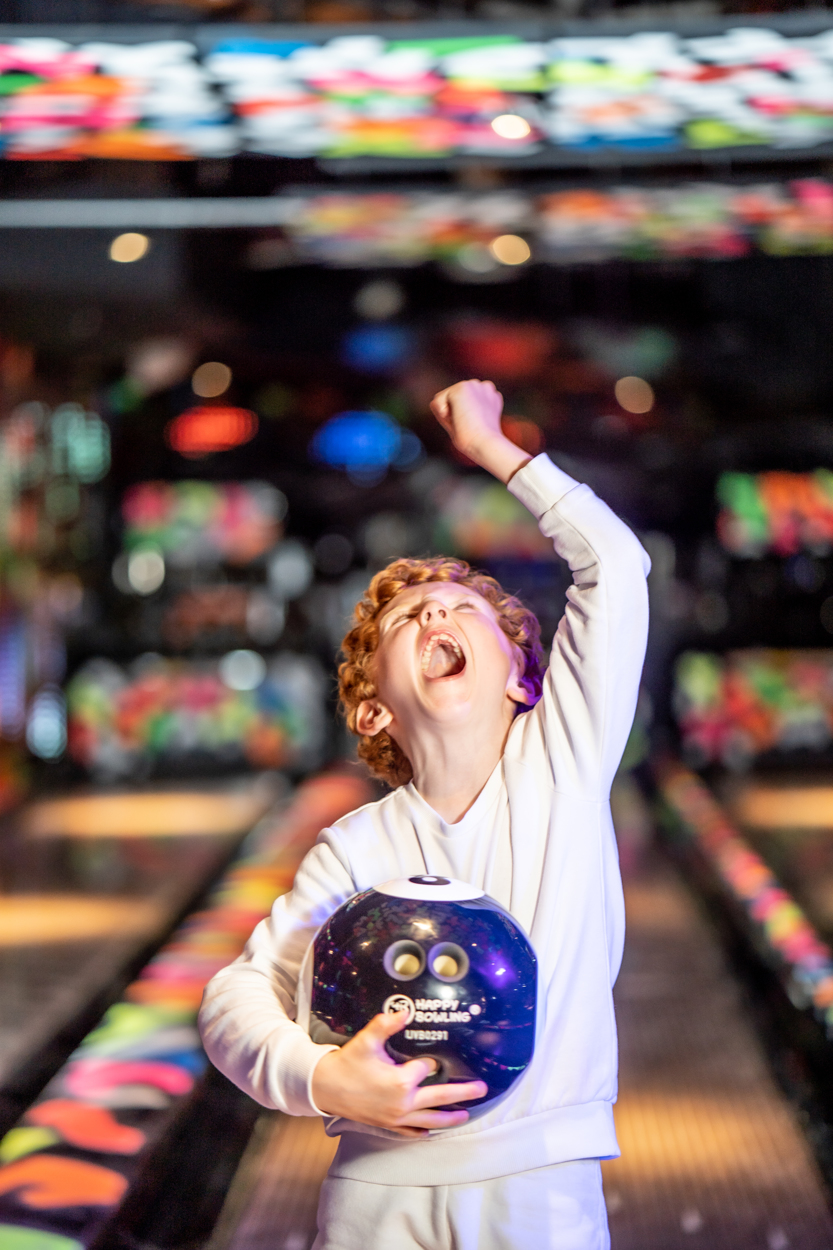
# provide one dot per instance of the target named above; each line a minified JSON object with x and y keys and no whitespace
{"x":540,"y":485}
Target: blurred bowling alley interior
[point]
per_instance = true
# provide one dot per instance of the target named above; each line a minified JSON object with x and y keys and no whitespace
{"x":242,"y":244}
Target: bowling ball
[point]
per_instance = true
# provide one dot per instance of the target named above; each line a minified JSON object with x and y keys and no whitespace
{"x":452,"y":957}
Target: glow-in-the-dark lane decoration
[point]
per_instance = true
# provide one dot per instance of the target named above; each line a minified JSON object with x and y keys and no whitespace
{"x":778,"y":922}
{"x":120,"y":1088}
{"x":775,"y":512}
{"x":163,"y":709}
{"x":737,"y":706}
{"x":203,"y":523}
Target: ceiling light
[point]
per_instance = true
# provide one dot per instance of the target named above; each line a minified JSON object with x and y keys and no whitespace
{"x":126,"y":248}
{"x":634,"y":394}
{"x":211,"y":379}
{"x":510,"y":249}
{"x":511,"y":126}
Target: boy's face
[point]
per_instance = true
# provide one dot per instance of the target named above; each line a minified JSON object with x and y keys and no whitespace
{"x":442,"y":657}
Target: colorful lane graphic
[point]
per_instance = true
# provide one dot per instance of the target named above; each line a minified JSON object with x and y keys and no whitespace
{"x":68,"y":1163}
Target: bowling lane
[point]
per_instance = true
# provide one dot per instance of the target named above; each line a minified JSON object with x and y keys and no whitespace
{"x":89,"y":883}
{"x":788,"y":818}
{"x":712,"y":1152}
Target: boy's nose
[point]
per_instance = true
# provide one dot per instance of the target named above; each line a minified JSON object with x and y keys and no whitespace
{"x":432,"y":611}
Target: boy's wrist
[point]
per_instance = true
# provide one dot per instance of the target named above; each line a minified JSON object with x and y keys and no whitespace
{"x":499,"y":456}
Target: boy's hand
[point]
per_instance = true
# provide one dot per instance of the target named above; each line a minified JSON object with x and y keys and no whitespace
{"x":361,"y":1082}
{"x":470,"y":413}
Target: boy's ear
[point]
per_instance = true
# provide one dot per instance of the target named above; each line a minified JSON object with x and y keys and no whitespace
{"x":372,"y":717}
{"x":520,"y":691}
{"x":519,"y":688}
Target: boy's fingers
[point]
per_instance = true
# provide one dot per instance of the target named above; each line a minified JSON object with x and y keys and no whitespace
{"x":417,"y":1069}
{"x":385,"y":1025}
{"x":440,"y":1095}
{"x":434,"y":1119}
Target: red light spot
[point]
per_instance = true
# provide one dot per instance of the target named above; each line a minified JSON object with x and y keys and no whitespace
{"x":207,"y":428}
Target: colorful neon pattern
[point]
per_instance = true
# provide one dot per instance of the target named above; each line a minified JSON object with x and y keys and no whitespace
{"x":478,"y":520}
{"x":173,"y":710}
{"x":694,"y":219}
{"x":150,"y":101}
{"x":732,"y":708}
{"x":194,"y":522}
{"x":362,"y":95}
{"x":777,"y":512}
{"x":774,"y":915}
{"x":117,"y":1092}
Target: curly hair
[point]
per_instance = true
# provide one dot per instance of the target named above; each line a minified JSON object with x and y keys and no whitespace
{"x":382,"y":755}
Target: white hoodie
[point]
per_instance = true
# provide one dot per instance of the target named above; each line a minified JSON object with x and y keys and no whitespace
{"x":539,"y":839}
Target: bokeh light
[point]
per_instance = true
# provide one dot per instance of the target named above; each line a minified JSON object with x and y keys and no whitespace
{"x":379,"y":300}
{"x":511,"y":126}
{"x":634,"y":394}
{"x":211,"y":379}
{"x":203,"y":430}
{"x":126,"y":248}
{"x":46,"y":724}
{"x":510,"y":249}
{"x":242,"y":670}
{"x":146,"y":570}
{"x":377,"y":348}
{"x":366,"y":444}
{"x":290,"y":569}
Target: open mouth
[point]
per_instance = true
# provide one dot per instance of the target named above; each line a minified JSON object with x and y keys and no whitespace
{"x":442,"y":656}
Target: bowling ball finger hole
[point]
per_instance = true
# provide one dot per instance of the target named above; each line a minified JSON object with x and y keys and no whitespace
{"x":448,"y":962}
{"x":404,"y":961}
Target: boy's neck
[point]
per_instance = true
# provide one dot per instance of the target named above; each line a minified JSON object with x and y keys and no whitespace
{"x":449,"y":773}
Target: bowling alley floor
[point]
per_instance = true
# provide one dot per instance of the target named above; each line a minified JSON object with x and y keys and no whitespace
{"x":90,"y":883}
{"x":712,"y":1152}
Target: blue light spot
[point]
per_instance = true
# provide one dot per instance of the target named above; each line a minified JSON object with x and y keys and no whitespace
{"x":411,"y":451}
{"x":377,"y":349}
{"x":363,"y":441}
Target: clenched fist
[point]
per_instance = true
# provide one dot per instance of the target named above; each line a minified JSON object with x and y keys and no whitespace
{"x":470,"y":414}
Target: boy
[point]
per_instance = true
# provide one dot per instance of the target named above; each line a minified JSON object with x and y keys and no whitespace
{"x":507,"y":788}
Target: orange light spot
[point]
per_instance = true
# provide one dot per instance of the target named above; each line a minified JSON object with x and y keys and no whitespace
{"x":209,"y":428}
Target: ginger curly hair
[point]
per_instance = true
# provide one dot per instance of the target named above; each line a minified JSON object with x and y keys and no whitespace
{"x":382,"y":755}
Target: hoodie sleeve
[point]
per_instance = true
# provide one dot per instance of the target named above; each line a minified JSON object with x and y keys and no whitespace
{"x":247,"y":1018}
{"x":590,"y":690}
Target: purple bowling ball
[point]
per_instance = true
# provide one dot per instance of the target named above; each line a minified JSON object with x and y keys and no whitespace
{"x":456,"y":960}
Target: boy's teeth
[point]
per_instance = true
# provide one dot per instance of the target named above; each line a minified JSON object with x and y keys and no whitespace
{"x":441,"y":656}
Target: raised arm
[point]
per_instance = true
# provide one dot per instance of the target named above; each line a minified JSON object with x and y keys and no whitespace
{"x":591,"y":686}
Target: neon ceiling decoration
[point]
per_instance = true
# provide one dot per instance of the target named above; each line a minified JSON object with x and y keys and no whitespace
{"x":578,"y":225}
{"x":490,"y":95}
